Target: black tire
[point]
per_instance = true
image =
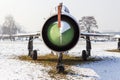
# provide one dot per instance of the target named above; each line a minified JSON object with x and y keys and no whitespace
{"x":84,"y":55}
{"x":60,"y":68}
{"x":34,"y":55}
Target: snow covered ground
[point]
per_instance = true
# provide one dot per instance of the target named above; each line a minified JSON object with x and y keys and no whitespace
{"x":12,"y":69}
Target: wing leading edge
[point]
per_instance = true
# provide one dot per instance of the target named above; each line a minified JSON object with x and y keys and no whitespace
{"x":95,"y":34}
{"x":20,"y":35}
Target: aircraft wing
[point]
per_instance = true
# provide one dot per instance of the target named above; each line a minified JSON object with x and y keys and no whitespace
{"x":20,"y":35}
{"x":27,"y":34}
{"x":95,"y":34}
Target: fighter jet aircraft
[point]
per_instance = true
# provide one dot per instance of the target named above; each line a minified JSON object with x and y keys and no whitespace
{"x":60,"y":33}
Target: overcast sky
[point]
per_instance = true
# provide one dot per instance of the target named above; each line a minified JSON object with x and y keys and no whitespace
{"x":31,"y":13}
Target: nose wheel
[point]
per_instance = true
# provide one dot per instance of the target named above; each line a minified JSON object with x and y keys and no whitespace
{"x":60,"y":68}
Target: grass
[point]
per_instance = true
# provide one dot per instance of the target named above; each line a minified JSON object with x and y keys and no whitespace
{"x":51,"y":60}
{"x":113,"y":50}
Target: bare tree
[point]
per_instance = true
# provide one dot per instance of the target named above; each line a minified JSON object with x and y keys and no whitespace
{"x":10,"y":27}
{"x":87,"y":23}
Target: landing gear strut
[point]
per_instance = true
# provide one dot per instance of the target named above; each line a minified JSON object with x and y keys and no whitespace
{"x":60,"y":67}
{"x":119,"y":44}
{"x":30,"y":45}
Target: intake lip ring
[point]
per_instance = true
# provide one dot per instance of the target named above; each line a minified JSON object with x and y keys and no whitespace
{"x":67,"y":47}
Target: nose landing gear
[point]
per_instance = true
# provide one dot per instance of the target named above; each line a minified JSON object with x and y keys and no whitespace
{"x":60,"y":67}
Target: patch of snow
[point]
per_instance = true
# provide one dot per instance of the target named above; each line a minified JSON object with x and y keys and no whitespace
{"x":12,"y":69}
{"x":18,"y":70}
{"x":105,"y":69}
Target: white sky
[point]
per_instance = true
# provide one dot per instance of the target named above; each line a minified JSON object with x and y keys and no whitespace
{"x":31,"y":13}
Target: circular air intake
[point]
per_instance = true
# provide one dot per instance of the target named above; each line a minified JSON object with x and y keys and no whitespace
{"x":60,"y":38}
